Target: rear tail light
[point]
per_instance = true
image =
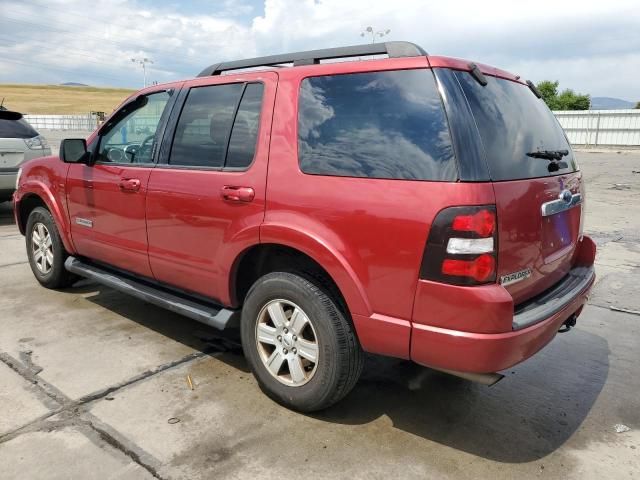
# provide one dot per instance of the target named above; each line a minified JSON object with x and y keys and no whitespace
{"x":462,"y":246}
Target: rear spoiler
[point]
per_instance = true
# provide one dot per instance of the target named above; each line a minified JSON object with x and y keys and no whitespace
{"x":9,"y":115}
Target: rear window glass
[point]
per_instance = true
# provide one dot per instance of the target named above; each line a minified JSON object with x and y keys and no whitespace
{"x":512,"y":122}
{"x":16,"y":129}
{"x":375,"y":125}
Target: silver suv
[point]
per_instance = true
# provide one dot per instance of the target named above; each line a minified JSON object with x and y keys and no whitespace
{"x":19,"y":142}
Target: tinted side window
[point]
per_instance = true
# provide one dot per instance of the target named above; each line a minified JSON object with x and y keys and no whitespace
{"x":16,"y":129}
{"x":204,"y":124}
{"x":242,"y":145}
{"x":376,"y":125}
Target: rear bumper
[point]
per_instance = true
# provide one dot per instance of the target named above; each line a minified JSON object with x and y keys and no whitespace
{"x":8,"y":182}
{"x":490,"y":352}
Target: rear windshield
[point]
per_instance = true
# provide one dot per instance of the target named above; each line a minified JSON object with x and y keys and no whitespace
{"x":375,"y":125}
{"x":512,"y":122}
{"x":16,"y":129}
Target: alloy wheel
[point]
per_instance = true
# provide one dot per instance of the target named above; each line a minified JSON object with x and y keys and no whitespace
{"x":42,"y":248}
{"x":287,"y":342}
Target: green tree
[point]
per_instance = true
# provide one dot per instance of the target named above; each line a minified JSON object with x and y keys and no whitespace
{"x":637,"y":105}
{"x":565,"y":100}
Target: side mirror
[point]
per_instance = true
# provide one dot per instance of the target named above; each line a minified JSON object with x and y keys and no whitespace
{"x":74,"y":150}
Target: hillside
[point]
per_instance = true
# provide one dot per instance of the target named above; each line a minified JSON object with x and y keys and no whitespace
{"x":609,"y":103}
{"x":57,"y":99}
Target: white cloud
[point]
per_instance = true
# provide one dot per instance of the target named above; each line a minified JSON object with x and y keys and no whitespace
{"x":591,"y":46}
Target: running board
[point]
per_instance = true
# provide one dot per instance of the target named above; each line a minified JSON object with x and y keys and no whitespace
{"x":214,"y":316}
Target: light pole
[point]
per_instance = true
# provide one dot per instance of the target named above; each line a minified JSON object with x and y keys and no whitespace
{"x":374,"y":33}
{"x":143,"y":62}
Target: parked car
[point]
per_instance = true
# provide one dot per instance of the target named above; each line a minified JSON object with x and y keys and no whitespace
{"x":18,"y":142}
{"x":415,"y":206}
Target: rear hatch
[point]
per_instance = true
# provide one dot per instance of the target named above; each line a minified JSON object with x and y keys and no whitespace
{"x":537,"y":185}
{"x":14,"y":131}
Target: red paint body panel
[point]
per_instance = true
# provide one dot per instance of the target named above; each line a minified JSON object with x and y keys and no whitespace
{"x":118,"y":235}
{"x":195,"y":235}
{"x":486,"y":352}
{"x":384,"y":335}
{"x":528,"y":240}
{"x":45,"y":178}
{"x":377,"y":227}
{"x":479,"y":309}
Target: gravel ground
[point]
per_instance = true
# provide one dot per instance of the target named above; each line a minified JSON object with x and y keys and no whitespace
{"x":94,"y":385}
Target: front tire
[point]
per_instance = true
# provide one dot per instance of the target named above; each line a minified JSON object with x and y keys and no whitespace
{"x":300,"y":346}
{"x":45,"y":250}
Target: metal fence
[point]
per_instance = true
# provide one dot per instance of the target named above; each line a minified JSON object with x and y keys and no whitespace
{"x":601,"y":127}
{"x":63,"y":122}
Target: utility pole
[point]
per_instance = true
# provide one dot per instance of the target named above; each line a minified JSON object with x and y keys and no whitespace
{"x":143,"y":61}
{"x":374,"y":33}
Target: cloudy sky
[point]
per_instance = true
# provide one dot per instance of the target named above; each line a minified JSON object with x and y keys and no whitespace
{"x":590,"y":46}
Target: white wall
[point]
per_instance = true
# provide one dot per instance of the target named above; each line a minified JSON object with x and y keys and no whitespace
{"x":601,"y":127}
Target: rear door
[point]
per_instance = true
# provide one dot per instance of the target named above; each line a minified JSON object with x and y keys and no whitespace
{"x":538,"y":199}
{"x":206,"y":198}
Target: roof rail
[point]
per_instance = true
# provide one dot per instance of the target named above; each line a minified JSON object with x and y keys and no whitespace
{"x":311,"y":57}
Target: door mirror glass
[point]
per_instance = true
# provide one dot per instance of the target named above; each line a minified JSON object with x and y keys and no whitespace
{"x":74,"y":150}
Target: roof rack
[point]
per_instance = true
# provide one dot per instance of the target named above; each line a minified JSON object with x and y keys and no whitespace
{"x":311,"y":57}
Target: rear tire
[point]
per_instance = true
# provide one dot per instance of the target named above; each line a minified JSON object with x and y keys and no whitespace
{"x":45,"y":250}
{"x":302,"y":350}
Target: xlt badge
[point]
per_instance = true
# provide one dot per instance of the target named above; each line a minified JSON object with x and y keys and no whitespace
{"x":515,"y":277}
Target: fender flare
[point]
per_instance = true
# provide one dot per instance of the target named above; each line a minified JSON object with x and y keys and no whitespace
{"x":42,"y":191}
{"x":322,"y":252}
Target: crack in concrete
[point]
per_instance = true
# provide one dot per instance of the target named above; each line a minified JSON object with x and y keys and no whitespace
{"x":32,"y":377}
{"x":142,"y":376}
{"x":13,"y":264}
{"x":110,"y":439}
{"x":75,"y":412}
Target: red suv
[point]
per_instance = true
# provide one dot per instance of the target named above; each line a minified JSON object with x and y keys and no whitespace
{"x":415,"y":206}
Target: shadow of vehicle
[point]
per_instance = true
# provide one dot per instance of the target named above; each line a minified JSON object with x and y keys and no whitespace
{"x":6,"y":213}
{"x":525,"y":417}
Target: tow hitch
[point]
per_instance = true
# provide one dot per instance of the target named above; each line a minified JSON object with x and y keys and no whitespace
{"x":568,"y":324}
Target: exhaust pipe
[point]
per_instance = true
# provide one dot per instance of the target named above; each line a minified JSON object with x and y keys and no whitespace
{"x":568,"y":324}
{"x":483,"y":378}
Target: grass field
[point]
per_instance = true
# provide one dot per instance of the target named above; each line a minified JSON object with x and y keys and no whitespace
{"x":57,"y":99}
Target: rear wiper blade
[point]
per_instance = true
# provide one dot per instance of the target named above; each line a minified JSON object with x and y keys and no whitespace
{"x":548,"y":154}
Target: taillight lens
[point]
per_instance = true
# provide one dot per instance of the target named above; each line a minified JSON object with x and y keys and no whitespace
{"x":482,"y":223}
{"x":462,"y":246}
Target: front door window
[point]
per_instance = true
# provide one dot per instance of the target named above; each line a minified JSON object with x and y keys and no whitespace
{"x":132,"y":139}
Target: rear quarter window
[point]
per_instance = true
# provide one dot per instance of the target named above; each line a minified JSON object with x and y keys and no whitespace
{"x":512,"y":121}
{"x":16,"y":129}
{"x":375,"y":125}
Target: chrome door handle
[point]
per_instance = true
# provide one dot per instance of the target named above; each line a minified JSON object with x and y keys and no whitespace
{"x":129,"y":184}
{"x":233,"y":193}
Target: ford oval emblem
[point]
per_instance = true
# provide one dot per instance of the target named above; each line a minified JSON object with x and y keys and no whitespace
{"x":566,"y":196}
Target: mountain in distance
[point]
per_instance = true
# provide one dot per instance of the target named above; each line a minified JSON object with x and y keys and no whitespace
{"x":74,"y":84}
{"x":610,"y":103}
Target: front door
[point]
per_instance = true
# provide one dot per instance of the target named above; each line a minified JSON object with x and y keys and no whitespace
{"x":206,"y":197}
{"x":106,"y":200}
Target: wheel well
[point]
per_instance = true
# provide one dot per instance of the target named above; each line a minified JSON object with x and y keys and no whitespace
{"x":266,"y":258}
{"x":27,"y":204}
